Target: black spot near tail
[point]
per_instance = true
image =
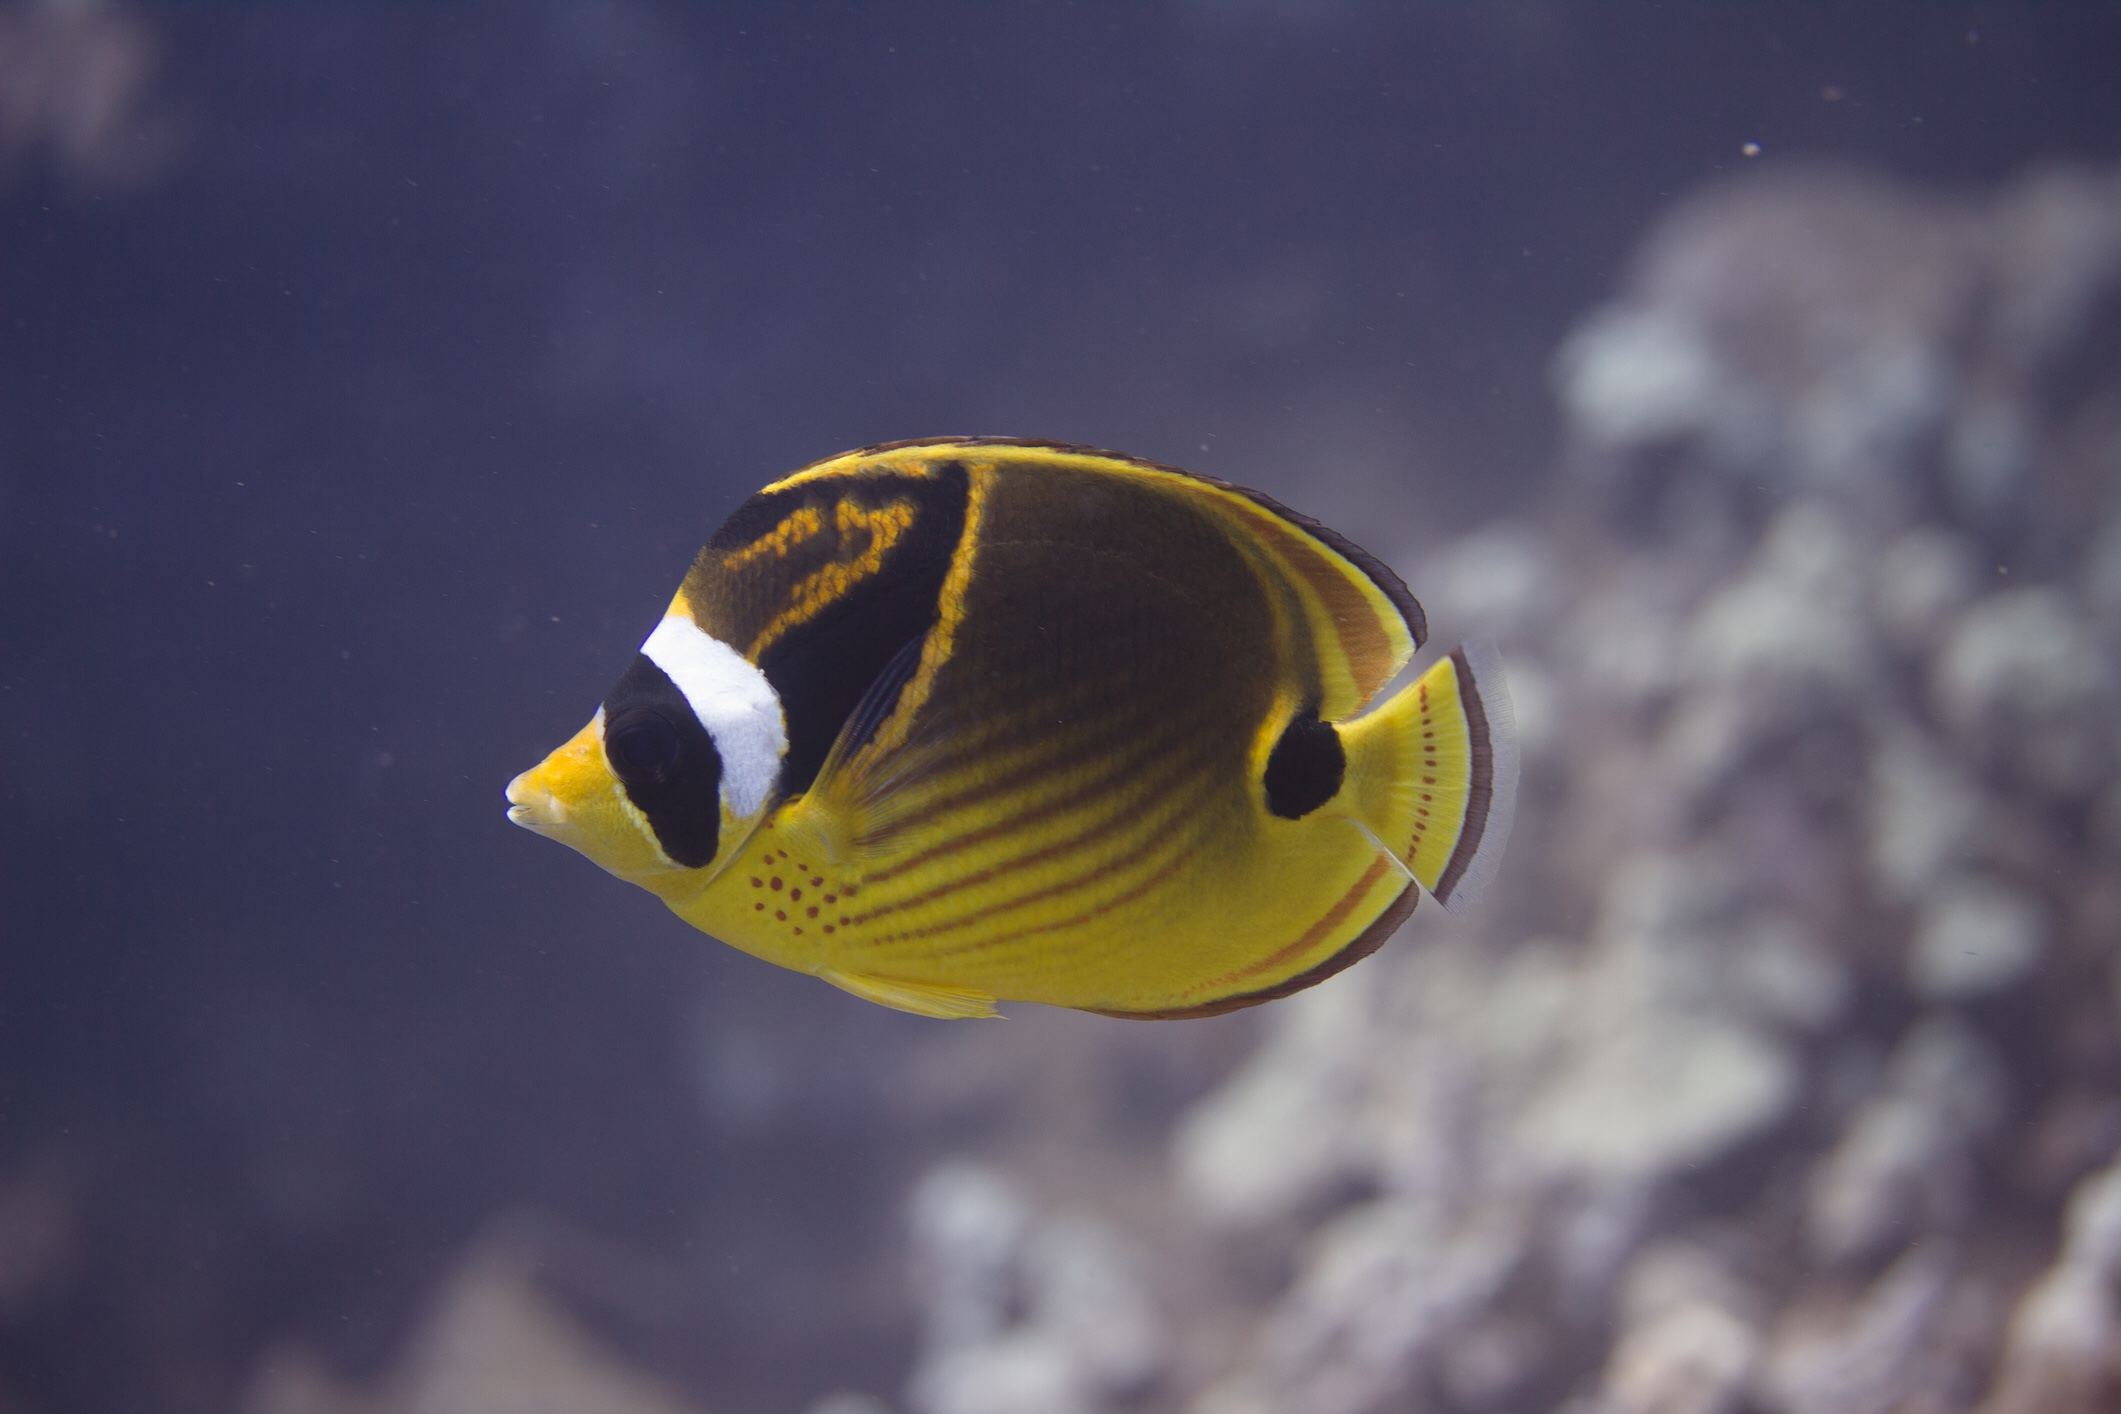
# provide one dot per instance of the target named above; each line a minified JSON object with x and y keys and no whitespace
{"x":1306,"y":767}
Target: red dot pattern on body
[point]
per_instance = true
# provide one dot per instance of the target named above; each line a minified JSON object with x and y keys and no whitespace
{"x":777,"y":884}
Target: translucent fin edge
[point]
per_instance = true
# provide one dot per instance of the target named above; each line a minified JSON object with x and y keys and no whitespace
{"x":1484,"y":690}
{"x":920,"y":998}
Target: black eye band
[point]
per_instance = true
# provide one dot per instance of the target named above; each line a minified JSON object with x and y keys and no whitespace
{"x":667,"y":762}
{"x":643,"y":747}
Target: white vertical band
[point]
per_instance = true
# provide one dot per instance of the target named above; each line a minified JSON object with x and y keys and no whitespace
{"x":733,"y":701}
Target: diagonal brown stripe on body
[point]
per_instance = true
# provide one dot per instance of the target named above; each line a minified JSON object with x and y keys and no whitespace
{"x":1117,"y":820}
{"x":1090,"y":749}
{"x":1117,"y":864}
{"x":1096,"y":911}
{"x":1361,"y":637}
{"x":1366,"y":942}
{"x":1316,"y":933}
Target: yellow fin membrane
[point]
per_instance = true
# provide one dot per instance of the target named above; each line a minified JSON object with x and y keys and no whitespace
{"x":1433,"y":773}
{"x":920,"y":998}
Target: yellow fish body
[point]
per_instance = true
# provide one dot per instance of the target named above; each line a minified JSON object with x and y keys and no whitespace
{"x":972,"y":719}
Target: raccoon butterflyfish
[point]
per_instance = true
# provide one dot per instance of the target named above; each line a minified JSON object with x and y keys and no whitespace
{"x":973,"y":719}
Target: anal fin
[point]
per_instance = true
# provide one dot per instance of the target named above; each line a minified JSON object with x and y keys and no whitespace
{"x":920,"y":998}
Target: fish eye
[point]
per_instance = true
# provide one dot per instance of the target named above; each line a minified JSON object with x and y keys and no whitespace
{"x":643,"y":748}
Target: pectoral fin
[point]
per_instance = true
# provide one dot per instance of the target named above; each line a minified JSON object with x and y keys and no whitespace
{"x":857,"y":795}
{"x":920,"y":998}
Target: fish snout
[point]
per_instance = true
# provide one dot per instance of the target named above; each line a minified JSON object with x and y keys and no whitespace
{"x":532,"y":804}
{"x":553,"y":796}
{"x":572,"y":797}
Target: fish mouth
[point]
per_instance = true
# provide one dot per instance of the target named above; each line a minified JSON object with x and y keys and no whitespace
{"x":533,"y":806}
{"x":561,"y":796}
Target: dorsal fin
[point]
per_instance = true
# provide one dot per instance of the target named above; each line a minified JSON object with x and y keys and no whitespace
{"x":1363,"y":616}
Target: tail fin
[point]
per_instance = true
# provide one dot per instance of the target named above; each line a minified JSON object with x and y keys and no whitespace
{"x":1433,"y":773}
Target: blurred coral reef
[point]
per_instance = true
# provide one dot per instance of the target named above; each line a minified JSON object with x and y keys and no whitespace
{"x":1783,"y":1071}
{"x":76,"y":81}
{"x":1025,"y":1311}
{"x":495,"y":1341}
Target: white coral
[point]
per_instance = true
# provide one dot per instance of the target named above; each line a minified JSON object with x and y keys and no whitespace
{"x":1903,"y":1160}
{"x":2025,"y":677}
{"x":1026,"y":1312}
